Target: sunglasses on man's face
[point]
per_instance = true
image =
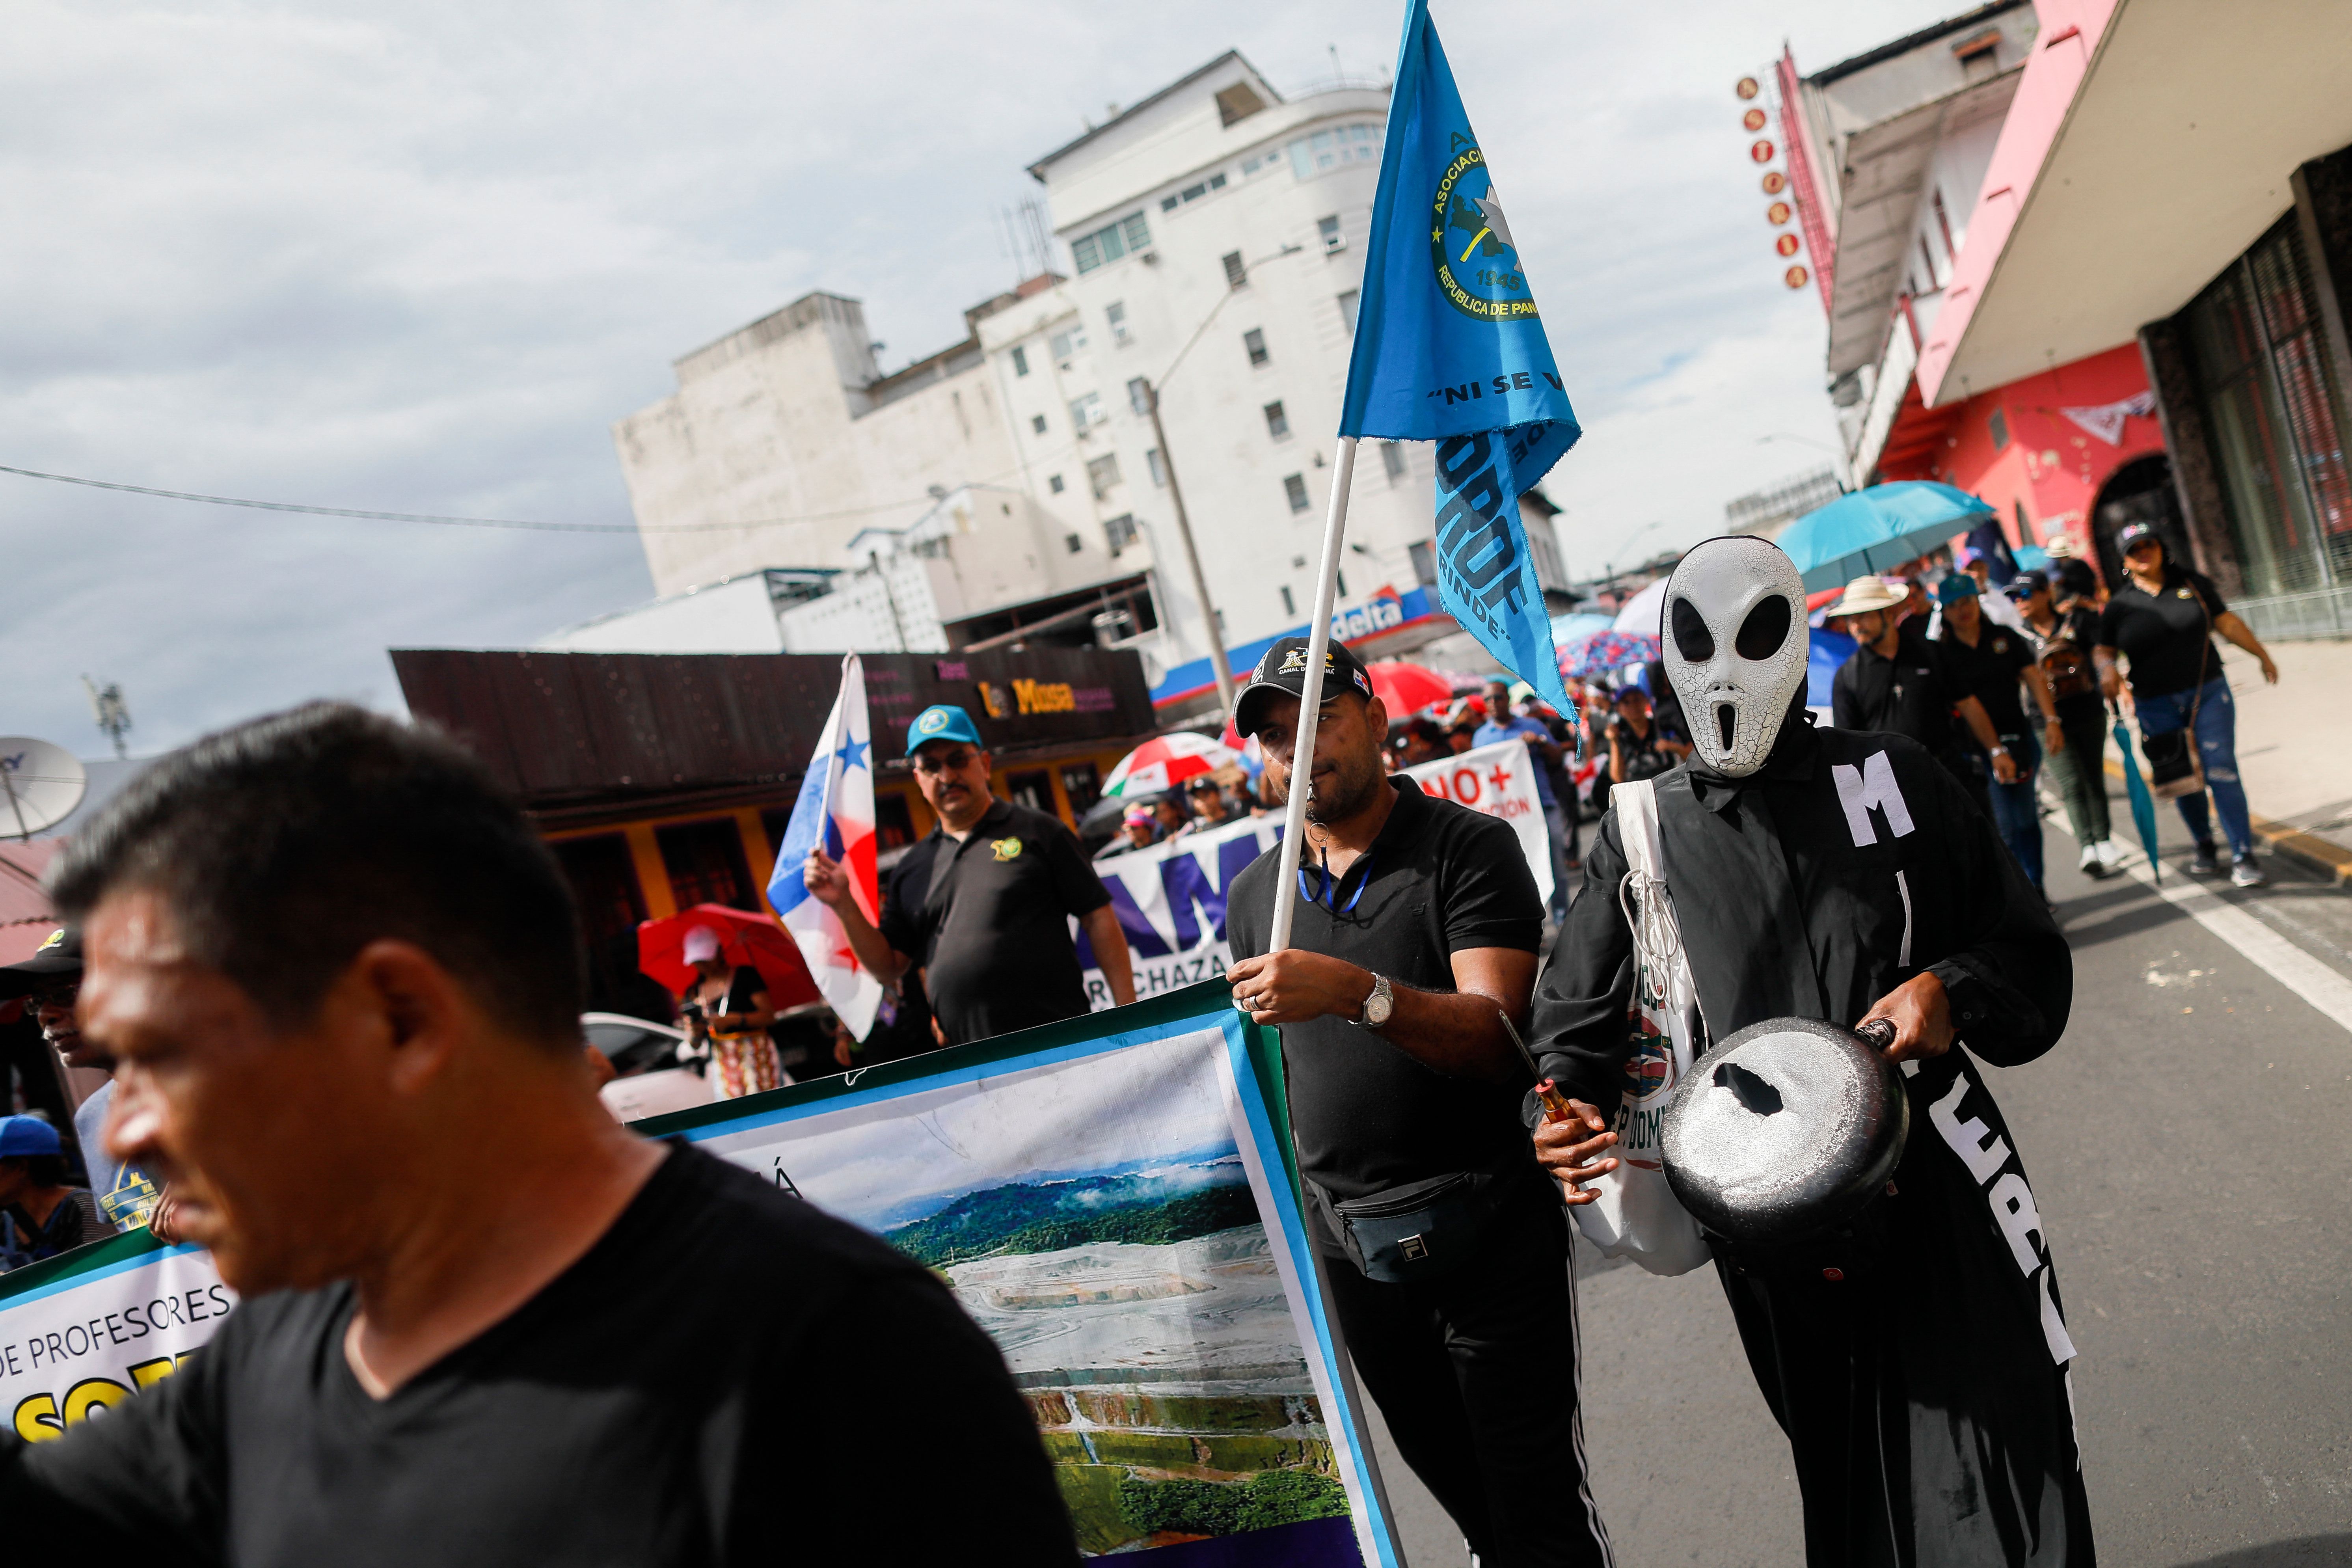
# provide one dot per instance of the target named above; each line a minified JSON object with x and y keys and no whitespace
{"x":61,"y":995}
{"x":953,"y":761}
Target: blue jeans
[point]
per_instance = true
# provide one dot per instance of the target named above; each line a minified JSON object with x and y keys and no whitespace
{"x":2217,"y":749}
{"x":2016,"y":809}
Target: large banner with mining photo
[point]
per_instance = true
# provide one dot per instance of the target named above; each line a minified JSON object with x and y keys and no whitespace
{"x":1109,"y":1197}
{"x":1170,"y":898}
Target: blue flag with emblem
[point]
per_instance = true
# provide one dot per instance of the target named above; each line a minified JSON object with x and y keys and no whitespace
{"x":1450,"y":348}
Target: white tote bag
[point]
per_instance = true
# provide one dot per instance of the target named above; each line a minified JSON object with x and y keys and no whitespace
{"x":1637,"y":1216}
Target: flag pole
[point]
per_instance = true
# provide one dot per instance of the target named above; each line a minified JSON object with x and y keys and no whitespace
{"x":1310,"y":700}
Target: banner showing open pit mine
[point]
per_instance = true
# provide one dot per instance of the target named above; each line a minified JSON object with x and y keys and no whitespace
{"x":1115,"y":1210}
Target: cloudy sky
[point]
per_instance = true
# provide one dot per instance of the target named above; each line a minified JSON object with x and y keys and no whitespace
{"x":419,"y":257}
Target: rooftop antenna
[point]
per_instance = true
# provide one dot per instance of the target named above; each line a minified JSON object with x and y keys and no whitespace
{"x":1337,"y":75}
{"x":113,"y":714}
{"x":40,"y":785}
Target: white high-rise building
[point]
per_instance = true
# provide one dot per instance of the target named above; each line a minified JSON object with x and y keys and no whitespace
{"x":1214,"y":236}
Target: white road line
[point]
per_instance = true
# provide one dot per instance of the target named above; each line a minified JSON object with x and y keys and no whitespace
{"x":2306,"y":976}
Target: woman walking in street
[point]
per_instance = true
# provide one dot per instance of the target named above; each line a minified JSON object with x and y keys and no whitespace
{"x":2162,"y":619}
{"x":2061,"y":642}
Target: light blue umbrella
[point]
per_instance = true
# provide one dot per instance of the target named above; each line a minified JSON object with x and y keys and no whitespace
{"x":1877,"y":529}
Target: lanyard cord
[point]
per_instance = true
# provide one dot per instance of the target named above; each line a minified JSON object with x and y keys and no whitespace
{"x":1323,"y":870}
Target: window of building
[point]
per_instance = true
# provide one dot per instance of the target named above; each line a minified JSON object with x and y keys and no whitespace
{"x":1087,"y":412}
{"x":1423,"y":557}
{"x":1255,"y":341}
{"x":1038,"y":423}
{"x":1151,"y":461}
{"x":1392,"y":459}
{"x":1019,"y":361}
{"x":1082,"y":782}
{"x":1328,"y":228}
{"x":1236,"y":274}
{"x":1110,"y":242}
{"x":707,"y":864}
{"x":1138,"y":397}
{"x":1102,"y":473}
{"x":1327,"y":149}
{"x":1237,"y":102}
{"x":1066,"y":343}
{"x":1193,"y":193}
{"x":1348,"y":310}
{"x":1033,"y":790}
{"x":1289,"y":605}
{"x":1942,"y":222}
{"x":1294,"y":487}
{"x":605,"y":889}
{"x":1340,"y":580}
{"x":1278,"y":423}
{"x":1053,"y":483}
{"x":1073,"y":542}
{"x":1115,"y":314}
{"x":1120,"y":532}
{"x":1260,"y":162}
{"x":1997,"y":426}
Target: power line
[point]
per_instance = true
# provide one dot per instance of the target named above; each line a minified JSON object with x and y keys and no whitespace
{"x":447,"y":521}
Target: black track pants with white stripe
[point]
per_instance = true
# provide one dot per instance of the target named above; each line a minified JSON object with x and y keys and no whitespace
{"x":1478,"y":1385}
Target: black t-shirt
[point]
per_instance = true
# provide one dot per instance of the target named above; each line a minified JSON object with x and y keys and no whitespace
{"x":987,"y":920}
{"x":1989,"y":671}
{"x":1645,"y":757}
{"x":1908,"y":695}
{"x":2168,"y":635}
{"x":1439,"y":879}
{"x":722,"y":1378}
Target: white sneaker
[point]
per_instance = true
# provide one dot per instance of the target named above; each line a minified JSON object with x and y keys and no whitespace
{"x":2244,"y":873}
{"x":2091,"y":865}
{"x":2111,"y":854}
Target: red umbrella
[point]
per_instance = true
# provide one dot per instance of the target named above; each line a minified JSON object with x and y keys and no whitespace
{"x":1405,"y":689}
{"x":743,"y":938}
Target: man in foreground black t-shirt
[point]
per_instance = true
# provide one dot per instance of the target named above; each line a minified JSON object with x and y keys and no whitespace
{"x":981,"y":905}
{"x":1416,"y":933}
{"x":482,"y":1323}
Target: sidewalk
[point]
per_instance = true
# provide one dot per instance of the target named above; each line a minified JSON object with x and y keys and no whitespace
{"x":2294,"y":750}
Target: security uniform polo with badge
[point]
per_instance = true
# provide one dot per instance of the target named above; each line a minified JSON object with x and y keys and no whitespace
{"x":987,"y":919}
{"x":1918,"y":1363}
{"x":1444,"y":1246}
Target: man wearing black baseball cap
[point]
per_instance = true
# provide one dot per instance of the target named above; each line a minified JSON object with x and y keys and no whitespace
{"x":50,"y":983}
{"x":1445,"y":1251}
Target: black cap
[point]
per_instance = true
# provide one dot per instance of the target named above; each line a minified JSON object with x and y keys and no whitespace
{"x":2025,"y":584}
{"x":1282,"y":669}
{"x":58,"y":955}
{"x":2132,"y":533}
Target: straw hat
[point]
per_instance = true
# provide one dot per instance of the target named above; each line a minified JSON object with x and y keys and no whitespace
{"x":1865,"y":595}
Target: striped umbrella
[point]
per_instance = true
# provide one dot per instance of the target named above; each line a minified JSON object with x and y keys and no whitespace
{"x":1597,"y":653}
{"x":1163,"y":762}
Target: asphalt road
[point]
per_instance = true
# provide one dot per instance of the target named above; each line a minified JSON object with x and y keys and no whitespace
{"x":2187,"y":1144}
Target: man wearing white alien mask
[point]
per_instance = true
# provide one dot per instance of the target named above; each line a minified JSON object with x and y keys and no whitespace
{"x":1917,"y":1358}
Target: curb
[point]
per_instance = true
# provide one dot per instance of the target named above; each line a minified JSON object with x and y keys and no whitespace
{"x":2331,"y":862}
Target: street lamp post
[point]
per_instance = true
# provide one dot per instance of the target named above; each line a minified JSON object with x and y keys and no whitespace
{"x":1218,"y":661}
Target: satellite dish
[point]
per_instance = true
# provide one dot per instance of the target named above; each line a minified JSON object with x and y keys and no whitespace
{"x":40,"y":785}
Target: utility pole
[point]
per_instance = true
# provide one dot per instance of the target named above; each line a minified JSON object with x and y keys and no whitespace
{"x":113,"y":714}
{"x":1218,"y":661}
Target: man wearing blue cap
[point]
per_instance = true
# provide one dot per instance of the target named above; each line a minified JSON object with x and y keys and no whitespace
{"x":42,"y":1212}
{"x":982,"y":906}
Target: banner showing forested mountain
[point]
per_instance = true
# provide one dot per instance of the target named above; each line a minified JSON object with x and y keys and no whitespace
{"x":1145,"y":1208}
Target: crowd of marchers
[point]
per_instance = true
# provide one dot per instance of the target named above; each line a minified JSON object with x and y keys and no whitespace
{"x":332,"y":978}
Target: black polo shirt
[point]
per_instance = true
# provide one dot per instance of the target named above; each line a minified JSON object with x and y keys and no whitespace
{"x":1439,"y":879}
{"x":1908,"y":695}
{"x":1989,"y":671}
{"x":987,"y":919}
{"x":2167,"y":635}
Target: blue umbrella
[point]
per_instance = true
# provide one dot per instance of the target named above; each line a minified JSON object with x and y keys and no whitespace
{"x":1876,"y":530}
{"x":2143,"y":804}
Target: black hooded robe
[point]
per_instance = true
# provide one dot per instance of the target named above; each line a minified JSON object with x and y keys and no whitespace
{"x":1926,"y":1399}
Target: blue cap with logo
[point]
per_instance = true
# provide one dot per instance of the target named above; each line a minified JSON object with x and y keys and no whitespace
{"x":1955,"y":586}
{"x":942,"y":721}
{"x":24,"y":1136}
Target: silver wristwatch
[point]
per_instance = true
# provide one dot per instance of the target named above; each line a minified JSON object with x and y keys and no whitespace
{"x":1378,"y":1006}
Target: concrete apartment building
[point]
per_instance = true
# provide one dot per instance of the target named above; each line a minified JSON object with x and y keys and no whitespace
{"x":1010,"y":488}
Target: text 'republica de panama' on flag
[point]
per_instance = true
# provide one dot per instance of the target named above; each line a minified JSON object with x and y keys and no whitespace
{"x":1450,"y":348}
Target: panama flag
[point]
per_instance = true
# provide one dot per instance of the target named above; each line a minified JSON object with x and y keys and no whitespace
{"x":835,"y":808}
{"x":1450,"y":348}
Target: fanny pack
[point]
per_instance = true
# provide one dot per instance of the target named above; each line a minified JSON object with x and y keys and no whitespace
{"x":1421,"y":1230}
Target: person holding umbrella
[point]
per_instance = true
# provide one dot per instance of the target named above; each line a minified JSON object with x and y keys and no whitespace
{"x":2161,"y":621}
{"x":728,"y":1010}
